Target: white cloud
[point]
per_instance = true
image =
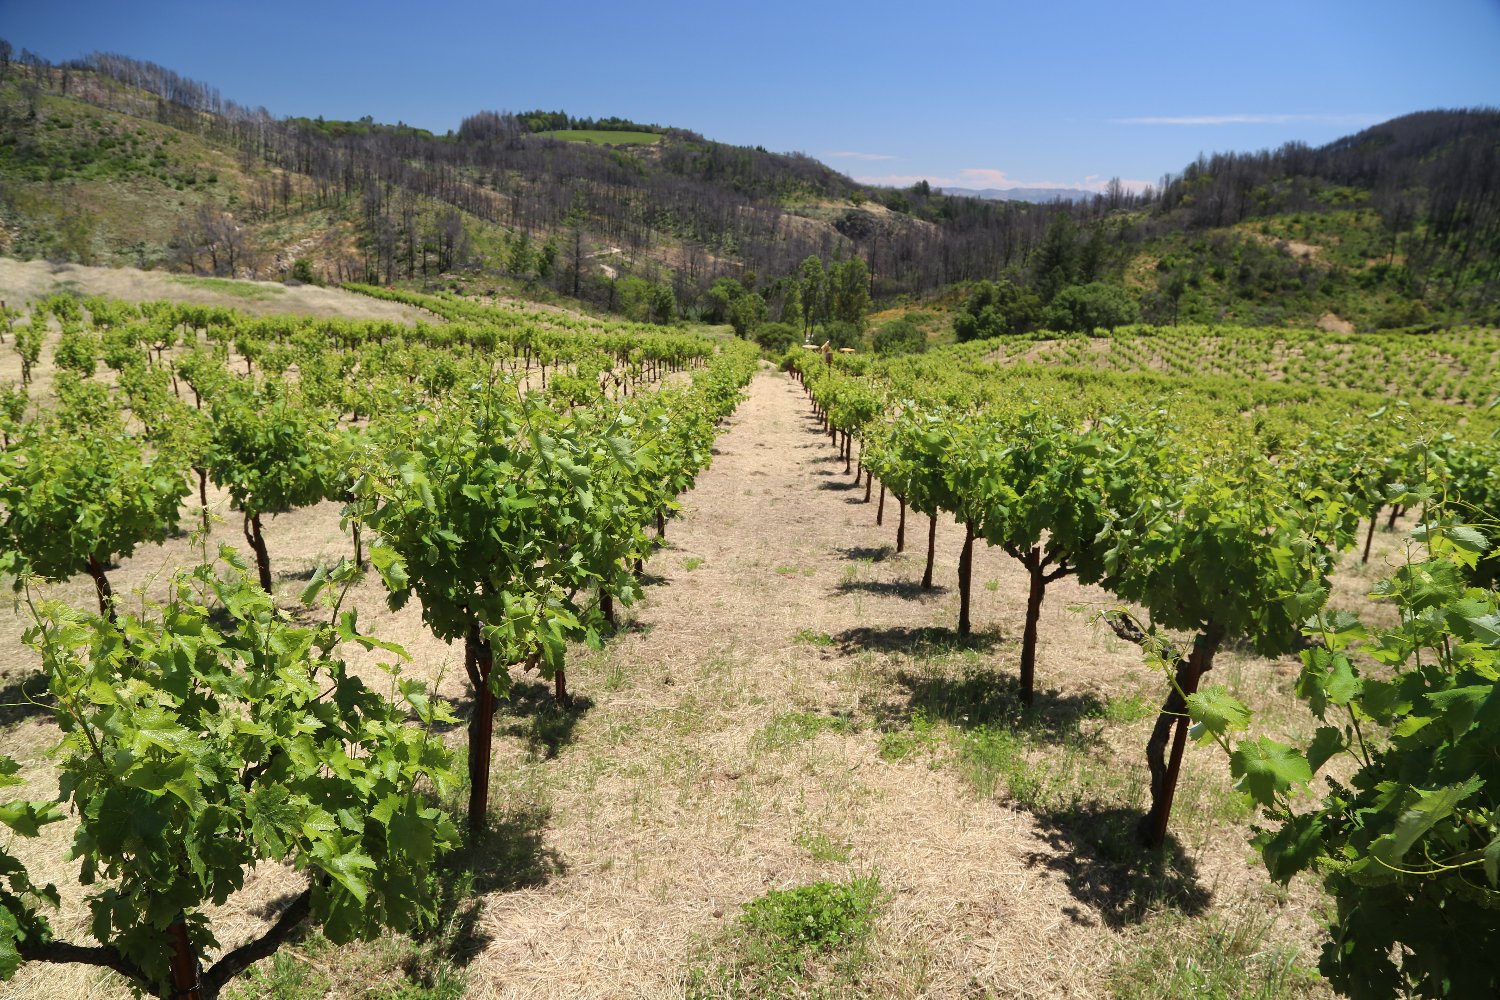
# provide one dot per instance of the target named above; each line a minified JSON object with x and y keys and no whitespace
{"x":851,"y":155}
{"x":985,"y":177}
{"x":1250,"y":120}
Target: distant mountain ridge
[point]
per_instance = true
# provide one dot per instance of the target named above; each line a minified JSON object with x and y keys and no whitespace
{"x":1034,"y":195}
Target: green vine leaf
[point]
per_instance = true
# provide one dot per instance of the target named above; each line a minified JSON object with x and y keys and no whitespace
{"x":1266,"y":769}
{"x":1216,"y":713}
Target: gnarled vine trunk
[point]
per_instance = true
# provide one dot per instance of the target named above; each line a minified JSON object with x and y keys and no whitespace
{"x":1172,"y":725}
{"x":965,"y":578}
{"x":102,"y":588}
{"x":257,"y":540}
{"x":479,"y":663}
{"x":185,"y":968}
{"x":931,"y":549}
{"x":1036,"y":568}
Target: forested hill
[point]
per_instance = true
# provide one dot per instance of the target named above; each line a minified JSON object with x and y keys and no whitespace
{"x":114,"y":160}
{"x":1417,"y":196}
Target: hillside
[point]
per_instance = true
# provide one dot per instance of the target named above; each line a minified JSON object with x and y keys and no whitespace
{"x":23,"y":281}
{"x":112,"y":161}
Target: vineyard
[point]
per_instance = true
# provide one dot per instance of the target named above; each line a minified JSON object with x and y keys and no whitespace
{"x":514,"y":653}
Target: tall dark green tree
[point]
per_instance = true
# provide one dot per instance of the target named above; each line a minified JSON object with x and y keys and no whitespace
{"x":849,"y":293}
{"x":1055,"y":266}
{"x":814,"y":293}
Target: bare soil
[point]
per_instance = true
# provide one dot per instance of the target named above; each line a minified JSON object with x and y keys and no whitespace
{"x":22,"y":281}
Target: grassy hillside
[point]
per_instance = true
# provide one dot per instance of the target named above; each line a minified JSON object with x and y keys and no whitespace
{"x":601,"y":137}
{"x":1285,"y":270}
{"x":90,"y":185}
{"x":1387,"y":229}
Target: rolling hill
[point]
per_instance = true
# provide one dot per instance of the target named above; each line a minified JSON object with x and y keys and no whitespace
{"x":112,"y":161}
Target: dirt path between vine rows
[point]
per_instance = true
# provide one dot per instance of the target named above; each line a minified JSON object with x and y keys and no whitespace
{"x":682,"y":795}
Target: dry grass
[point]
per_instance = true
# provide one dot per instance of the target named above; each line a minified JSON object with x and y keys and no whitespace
{"x":633,"y":829}
{"x":22,"y":281}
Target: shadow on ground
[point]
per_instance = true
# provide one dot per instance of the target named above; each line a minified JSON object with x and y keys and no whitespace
{"x":926,"y":641}
{"x":25,"y":698}
{"x":537,"y":718}
{"x":1097,"y":852}
{"x":867,"y":553}
{"x":907,"y":590}
{"x":986,"y":698}
{"x":509,"y":856}
{"x":635,"y":626}
{"x":530,"y":714}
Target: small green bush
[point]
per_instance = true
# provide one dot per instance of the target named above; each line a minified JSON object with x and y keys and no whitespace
{"x":794,"y":943}
{"x":777,"y":337}
{"x":788,"y":927}
{"x":899,"y":336}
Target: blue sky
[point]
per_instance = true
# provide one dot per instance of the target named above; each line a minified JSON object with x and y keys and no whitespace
{"x":975,"y":95}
